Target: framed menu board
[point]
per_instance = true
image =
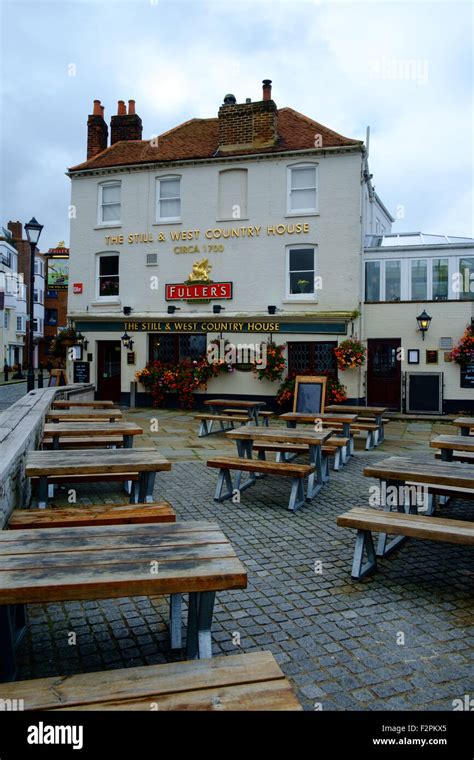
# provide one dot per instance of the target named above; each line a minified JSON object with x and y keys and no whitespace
{"x":310,"y":394}
{"x":467,"y":376}
{"x":81,"y":372}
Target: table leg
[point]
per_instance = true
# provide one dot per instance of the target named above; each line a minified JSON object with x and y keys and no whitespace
{"x":380,"y":436}
{"x":43,"y":492}
{"x":316,"y":458}
{"x":199,"y":637}
{"x":55,"y":441}
{"x":146,"y":484}
{"x":447,"y":455}
{"x":128,"y":441}
{"x":385,"y":546}
{"x":7,"y":645}
{"x":176,"y":621}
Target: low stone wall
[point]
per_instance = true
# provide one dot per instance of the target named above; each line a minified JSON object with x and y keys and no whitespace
{"x":21,"y":428}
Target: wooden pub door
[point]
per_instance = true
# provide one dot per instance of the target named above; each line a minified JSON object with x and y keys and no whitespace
{"x":384,"y":373}
{"x":108,"y":370}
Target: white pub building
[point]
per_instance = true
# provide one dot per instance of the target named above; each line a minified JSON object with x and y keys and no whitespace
{"x":258,"y":224}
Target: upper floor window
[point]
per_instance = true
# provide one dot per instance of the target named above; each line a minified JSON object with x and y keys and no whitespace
{"x":379,"y":228}
{"x":20,"y":324}
{"x":440,"y":279}
{"x":109,"y":203}
{"x":392,"y":281}
{"x":108,"y":275}
{"x":38,"y":267}
{"x":466,"y":270}
{"x":302,"y":185}
{"x":168,"y":199}
{"x":6,"y":319}
{"x":301,"y":270}
{"x":51,"y":317}
{"x":373,"y":281}
{"x":232,"y":194}
{"x":419,"y":280}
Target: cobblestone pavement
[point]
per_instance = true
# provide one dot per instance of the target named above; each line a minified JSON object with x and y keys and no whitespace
{"x":398,"y":640}
{"x":11,"y":393}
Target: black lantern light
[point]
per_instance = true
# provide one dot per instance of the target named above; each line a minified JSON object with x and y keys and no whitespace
{"x":127,"y":341}
{"x":423,"y":320}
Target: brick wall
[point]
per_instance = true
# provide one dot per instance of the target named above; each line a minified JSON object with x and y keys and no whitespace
{"x":248,"y":124}
{"x":125,"y":127}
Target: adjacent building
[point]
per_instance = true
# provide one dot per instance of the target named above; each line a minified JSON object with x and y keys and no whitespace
{"x":23,"y":249}
{"x":257,"y":224}
{"x":12,"y":304}
{"x":56,"y":298}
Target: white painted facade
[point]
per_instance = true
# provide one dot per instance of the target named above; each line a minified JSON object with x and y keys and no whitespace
{"x":257,"y":265}
{"x":13,"y":316}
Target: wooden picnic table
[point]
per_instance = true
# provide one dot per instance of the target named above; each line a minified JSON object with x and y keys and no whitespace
{"x":82,"y":415}
{"x":92,"y":430}
{"x":448,"y":444}
{"x":66,"y":403}
{"x":450,"y":476}
{"x":293,"y":418}
{"x":363,"y":411}
{"x":246,"y":435}
{"x":251,"y":407}
{"x":104,"y":562}
{"x":87,"y":462}
{"x":466,"y":424}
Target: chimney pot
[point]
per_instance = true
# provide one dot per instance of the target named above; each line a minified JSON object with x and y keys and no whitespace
{"x":121,"y":110}
{"x":131,"y":107}
{"x":97,"y":111}
{"x":267,"y":89}
{"x":102,"y":111}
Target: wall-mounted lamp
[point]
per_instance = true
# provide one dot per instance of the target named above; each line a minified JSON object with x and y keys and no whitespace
{"x":127,"y":341}
{"x":82,"y":341}
{"x":423,"y":320}
{"x":172,"y":309}
{"x":272,"y":309}
{"x":217,"y":308}
{"x":127,"y":310}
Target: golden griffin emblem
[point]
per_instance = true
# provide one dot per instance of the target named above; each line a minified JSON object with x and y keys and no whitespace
{"x":200,"y":271}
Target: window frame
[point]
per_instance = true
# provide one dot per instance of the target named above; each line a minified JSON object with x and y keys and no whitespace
{"x":457,"y":294}
{"x":289,"y":172}
{"x":99,"y":256}
{"x":300,"y":296}
{"x":410,"y":282}
{"x":166,"y":219}
{"x":100,"y":220}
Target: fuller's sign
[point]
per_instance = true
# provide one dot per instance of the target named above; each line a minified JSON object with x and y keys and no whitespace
{"x":198,"y":291}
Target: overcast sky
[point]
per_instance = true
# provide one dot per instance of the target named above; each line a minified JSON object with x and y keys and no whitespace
{"x":404,"y":68}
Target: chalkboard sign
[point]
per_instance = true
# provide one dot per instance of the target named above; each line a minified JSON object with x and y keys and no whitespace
{"x":81,"y":372}
{"x":467,"y":376}
{"x":310,"y":394}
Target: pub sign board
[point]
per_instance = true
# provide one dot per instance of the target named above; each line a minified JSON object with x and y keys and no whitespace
{"x":214,"y":290}
{"x":467,"y":376}
{"x":81,"y":372}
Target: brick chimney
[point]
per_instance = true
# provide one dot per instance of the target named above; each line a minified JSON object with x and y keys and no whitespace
{"x":97,"y":131}
{"x":125,"y":126}
{"x":248,"y":125}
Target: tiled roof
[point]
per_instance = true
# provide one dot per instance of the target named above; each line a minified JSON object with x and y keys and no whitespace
{"x":199,"y":138}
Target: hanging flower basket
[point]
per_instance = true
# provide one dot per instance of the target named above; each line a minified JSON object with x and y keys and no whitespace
{"x":350,"y":354}
{"x":275,"y":364}
{"x":463,"y":354}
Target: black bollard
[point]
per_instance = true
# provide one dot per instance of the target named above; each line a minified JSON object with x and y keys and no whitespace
{"x":5,"y":371}
{"x":40,"y":376}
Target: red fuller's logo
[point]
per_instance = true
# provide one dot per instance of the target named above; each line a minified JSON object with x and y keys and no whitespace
{"x":181,"y":292}
{"x":77,"y":288}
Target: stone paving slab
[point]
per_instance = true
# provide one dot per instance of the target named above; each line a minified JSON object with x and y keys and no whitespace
{"x":398,"y":640}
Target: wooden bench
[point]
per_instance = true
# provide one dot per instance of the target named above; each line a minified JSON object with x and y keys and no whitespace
{"x":207,"y":420}
{"x":266,"y":416}
{"x":119,"y":477}
{"x":403,"y":525}
{"x":92,"y":514}
{"x":461,"y":456}
{"x":238,"y":682}
{"x":82,"y":442}
{"x":255,"y":466}
{"x":335,"y":446}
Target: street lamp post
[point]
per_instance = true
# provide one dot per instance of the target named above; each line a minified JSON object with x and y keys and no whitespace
{"x":33,"y":232}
